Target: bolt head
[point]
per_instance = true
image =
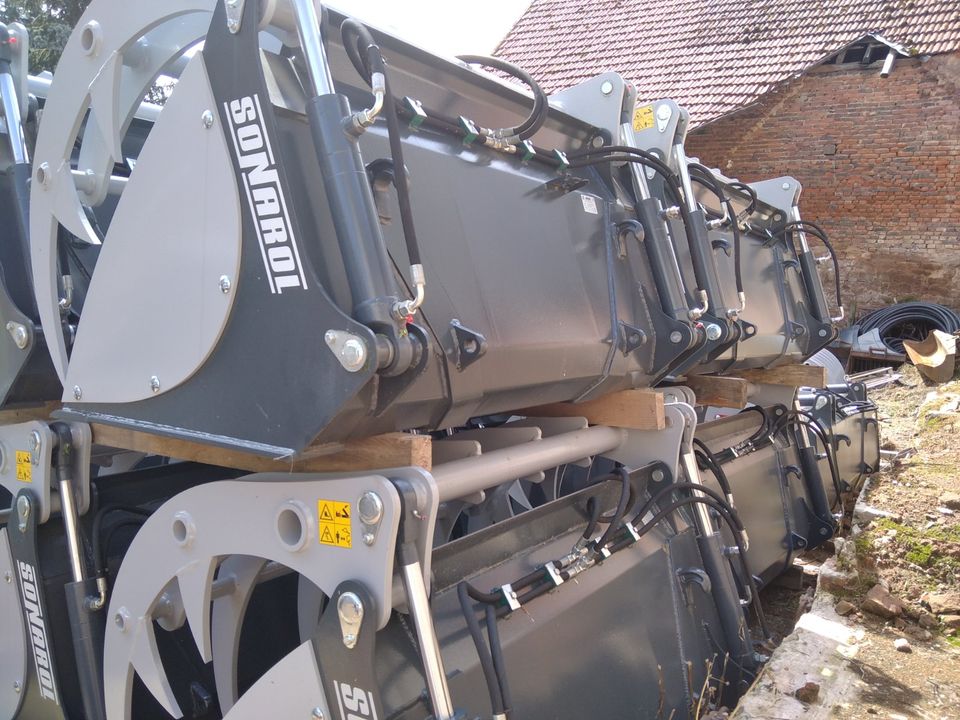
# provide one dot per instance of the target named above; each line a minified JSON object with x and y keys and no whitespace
{"x":43,"y":175}
{"x":353,"y":354}
{"x":225,"y":284}
{"x":606,"y":87}
{"x":77,"y":392}
{"x":822,"y":332}
{"x":17,"y":687}
{"x":370,"y":508}
{"x":317,"y":714}
{"x":657,"y":475}
{"x":120,"y":619}
{"x":206,"y":117}
{"x":35,"y":441}
{"x":713,"y":331}
{"x":23,"y":506}
{"x":19,"y":333}
{"x":786,"y":186}
{"x":350,"y":608}
{"x":155,"y":383}
{"x":369,"y":538}
{"x":676,"y":337}
{"x":8,"y":577}
{"x":664,"y":112}
{"x":233,"y":26}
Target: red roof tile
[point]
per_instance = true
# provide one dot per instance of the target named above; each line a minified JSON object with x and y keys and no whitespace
{"x":713,"y":56}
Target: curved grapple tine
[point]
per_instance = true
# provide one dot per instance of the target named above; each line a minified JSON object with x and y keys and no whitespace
{"x":227,"y":621}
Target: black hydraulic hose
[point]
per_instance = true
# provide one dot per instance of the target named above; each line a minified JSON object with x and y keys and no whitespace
{"x":827,"y":449}
{"x":593,"y":516}
{"x":707,"y":178}
{"x":619,"y":513}
{"x":814,"y":425}
{"x":911,"y":321}
{"x":743,"y":187}
{"x":538,"y":114}
{"x":499,"y":665}
{"x":367,"y":49}
{"x":812,"y":228}
{"x":486,"y":659}
{"x":735,"y":523}
{"x":724,"y":513}
{"x":711,"y":464}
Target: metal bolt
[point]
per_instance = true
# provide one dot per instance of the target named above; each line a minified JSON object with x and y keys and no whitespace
{"x":606,"y":87}
{"x":233,"y":26}
{"x":369,"y":538}
{"x":225,"y":284}
{"x":657,"y":475}
{"x":676,"y":337}
{"x":8,"y":577}
{"x":43,"y":175}
{"x":155,"y":383}
{"x":24,"y":506}
{"x":77,"y":392}
{"x":713,"y":331}
{"x":370,"y":508}
{"x":19,"y":333}
{"x":350,"y":608}
{"x":35,"y":441}
{"x":16,"y":687}
{"x":353,"y":354}
{"x":120,"y":619}
{"x":786,"y":186}
{"x":206,"y":117}
{"x":822,"y":332}
{"x":317,"y":714}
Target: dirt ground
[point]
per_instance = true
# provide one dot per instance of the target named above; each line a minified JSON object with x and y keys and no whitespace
{"x":911,"y":548}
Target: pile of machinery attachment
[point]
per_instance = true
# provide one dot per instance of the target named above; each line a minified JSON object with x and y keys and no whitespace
{"x":357,"y":382}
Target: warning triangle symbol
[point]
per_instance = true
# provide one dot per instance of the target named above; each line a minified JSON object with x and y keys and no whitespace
{"x":325,"y":513}
{"x":326,"y":536}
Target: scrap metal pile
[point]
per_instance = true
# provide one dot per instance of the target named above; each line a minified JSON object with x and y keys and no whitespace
{"x":328,"y":385}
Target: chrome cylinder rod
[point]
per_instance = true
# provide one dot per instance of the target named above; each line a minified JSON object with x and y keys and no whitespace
{"x":314,"y":54}
{"x":460,"y":478}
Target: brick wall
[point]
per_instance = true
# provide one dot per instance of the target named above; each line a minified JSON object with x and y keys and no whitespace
{"x":879,"y":160}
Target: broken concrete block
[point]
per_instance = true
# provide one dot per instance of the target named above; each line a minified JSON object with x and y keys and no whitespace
{"x":845,"y":608}
{"x":946,"y":603}
{"x":951,"y":621}
{"x":833,"y":578}
{"x":880,"y":602}
{"x":927,"y":620}
{"x":950,"y":500}
{"x":867,"y":513}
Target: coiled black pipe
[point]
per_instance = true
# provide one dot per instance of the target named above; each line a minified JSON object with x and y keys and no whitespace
{"x":909,"y":321}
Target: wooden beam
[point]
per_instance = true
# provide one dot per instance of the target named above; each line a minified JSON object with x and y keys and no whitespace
{"x":25,"y":414}
{"x":730,"y":392}
{"x":634,"y":409}
{"x":373,"y":453}
{"x":793,"y":375}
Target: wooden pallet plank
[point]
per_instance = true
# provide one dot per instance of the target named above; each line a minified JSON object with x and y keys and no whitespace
{"x":373,"y":453}
{"x":640,"y":409}
{"x":728,"y":392}
{"x":14,"y":416}
{"x":794,"y":375}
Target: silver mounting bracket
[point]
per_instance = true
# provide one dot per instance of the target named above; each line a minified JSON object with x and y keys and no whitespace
{"x":350,"y":350}
{"x":234,"y":15}
{"x":26,"y":462}
{"x":350,"y":612}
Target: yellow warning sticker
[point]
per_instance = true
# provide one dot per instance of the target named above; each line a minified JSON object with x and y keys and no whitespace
{"x":643,"y":118}
{"x":24,"y":466}
{"x":334,"y":523}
